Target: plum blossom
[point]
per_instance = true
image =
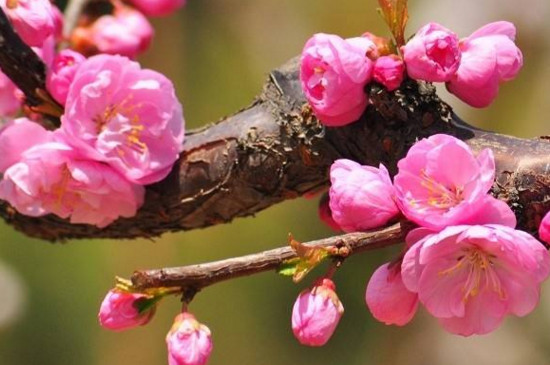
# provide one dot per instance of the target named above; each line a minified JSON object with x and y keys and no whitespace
{"x":387,"y":297}
{"x":389,"y":71}
{"x":33,"y":20}
{"x":435,"y":193}
{"x":125,"y":32}
{"x":316,"y":314}
{"x":189,"y":342}
{"x":489,"y":56}
{"x":333,"y":73}
{"x":61,"y":74}
{"x":52,"y":177}
{"x":471,"y":277}
{"x":432,"y":54}
{"x":120,"y":310}
{"x":544,"y":228}
{"x":361,"y":197}
{"x":125,"y":116}
{"x":158,"y":7}
{"x":325,"y":214}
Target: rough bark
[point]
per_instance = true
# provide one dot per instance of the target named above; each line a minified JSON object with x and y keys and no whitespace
{"x":275,"y":150}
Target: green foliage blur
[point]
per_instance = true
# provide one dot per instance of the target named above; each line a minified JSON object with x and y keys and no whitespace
{"x":218,"y":53}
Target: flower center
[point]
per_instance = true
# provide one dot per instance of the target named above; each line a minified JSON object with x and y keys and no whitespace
{"x":481,"y":275}
{"x":439,"y":195}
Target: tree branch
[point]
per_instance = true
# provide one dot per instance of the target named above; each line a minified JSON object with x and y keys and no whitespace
{"x":275,"y":150}
{"x":197,"y":277}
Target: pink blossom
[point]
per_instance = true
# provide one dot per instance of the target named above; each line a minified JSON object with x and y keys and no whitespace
{"x":544,"y":228}
{"x":333,"y":74}
{"x":61,"y":74}
{"x":188,"y":341}
{"x":58,"y":22}
{"x":16,"y":137}
{"x":435,"y":193}
{"x":125,"y":116}
{"x":387,"y":297}
{"x":120,"y":310}
{"x":389,"y":71}
{"x":471,"y":277}
{"x":53,"y":178}
{"x":432,"y":54}
{"x":126,"y":32}
{"x":158,"y":7}
{"x":316,"y":314}
{"x":33,"y":20}
{"x":361,"y":197}
{"x":9,"y":102}
{"x":489,"y":56}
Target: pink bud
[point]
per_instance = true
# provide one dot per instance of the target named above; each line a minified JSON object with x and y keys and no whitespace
{"x":157,"y":7}
{"x":333,"y":74}
{"x":33,"y":20}
{"x":387,"y":297}
{"x":61,"y":74}
{"x":361,"y":197}
{"x":188,"y":341}
{"x":126,"y":32}
{"x":389,"y":71}
{"x":489,"y":56}
{"x":432,"y":54}
{"x":316,"y":314}
{"x":121,"y":310}
{"x":544,"y":228}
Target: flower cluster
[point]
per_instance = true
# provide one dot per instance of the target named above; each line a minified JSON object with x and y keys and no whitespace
{"x":335,"y":71}
{"x":188,"y":341}
{"x":122,"y":128}
{"x":466,"y":264}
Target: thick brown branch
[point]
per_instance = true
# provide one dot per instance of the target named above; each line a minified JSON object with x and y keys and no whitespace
{"x":196,"y":277}
{"x":275,"y":150}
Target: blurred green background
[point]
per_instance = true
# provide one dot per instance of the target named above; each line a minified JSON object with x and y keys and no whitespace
{"x":218,"y":53}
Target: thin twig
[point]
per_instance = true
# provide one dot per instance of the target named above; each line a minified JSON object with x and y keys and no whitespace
{"x":199,"y":276}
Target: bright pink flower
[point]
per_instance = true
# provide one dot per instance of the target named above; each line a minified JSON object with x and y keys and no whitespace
{"x":489,"y":56}
{"x":432,"y":54}
{"x":9,"y":102}
{"x":325,"y":214}
{"x":53,"y":178}
{"x":61,"y":74}
{"x":33,"y":20}
{"x":188,"y":341}
{"x":58,"y":22}
{"x":158,"y":7}
{"x":126,"y":32}
{"x":316,"y":314}
{"x":126,"y":116}
{"x":389,"y":71}
{"x":544,"y":228}
{"x":471,"y":277}
{"x":16,"y":137}
{"x":120,"y":310}
{"x":387,"y":297}
{"x":361,"y":197}
{"x":333,"y":74}
{"x":435,"y":193}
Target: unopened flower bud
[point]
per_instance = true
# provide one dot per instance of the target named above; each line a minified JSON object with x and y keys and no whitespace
{"x":189,"y":342}
{"x":33,"y":20}
{"x":389,"y":71}
{"x":325,"y":214}
{"x":316,"y":314}
{"x":61,"y":74}
{"x":122,"y":310}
